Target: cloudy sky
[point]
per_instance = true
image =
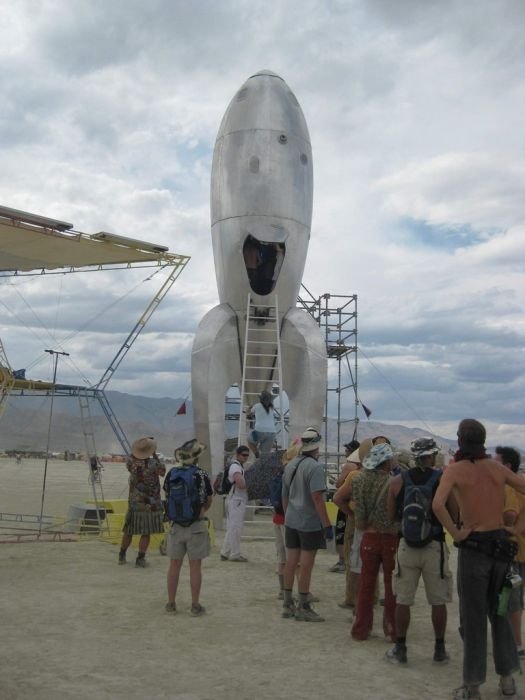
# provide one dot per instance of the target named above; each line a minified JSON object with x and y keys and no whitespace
{"x":110,"y":109}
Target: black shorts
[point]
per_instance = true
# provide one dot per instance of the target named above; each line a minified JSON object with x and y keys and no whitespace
{"x":307,"y":541}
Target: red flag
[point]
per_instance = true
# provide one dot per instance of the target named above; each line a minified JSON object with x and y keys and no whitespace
{"x":367,"y":411}
{"x":182,"y":409}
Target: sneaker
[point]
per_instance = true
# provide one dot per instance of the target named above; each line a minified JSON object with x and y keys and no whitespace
{"x":312,"y":598}
{"x":521,"y":654}
{"x":224,"y":558}
{"x":397,"y":655}
{"x":141,"y":562}
{"x":239,"y":558}
{"x":346,"y":606}
{"x":338,"y":568}
{"x":197,"y":610}
{"x":307,"y":614}
{"x":122,"y":558}
{"x":507,"y":688}
{"x":170,"y":608}
{"x":440,"y":657}
{"x":288,"y":611}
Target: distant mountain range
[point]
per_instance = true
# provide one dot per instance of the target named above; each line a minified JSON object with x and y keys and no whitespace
{"x":24,"y":425}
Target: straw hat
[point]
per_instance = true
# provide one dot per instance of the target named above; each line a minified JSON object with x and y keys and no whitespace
{"x":144,"y":448}
{"x":358,"y":455}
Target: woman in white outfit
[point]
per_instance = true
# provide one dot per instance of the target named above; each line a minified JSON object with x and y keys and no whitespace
{"x":261,"y":439}
{"x":235,"y":507}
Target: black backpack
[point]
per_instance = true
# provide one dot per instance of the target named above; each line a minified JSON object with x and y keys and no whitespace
{"x":183,"y":504}
{"x":221,"y":484}
{"x":416,"y":518}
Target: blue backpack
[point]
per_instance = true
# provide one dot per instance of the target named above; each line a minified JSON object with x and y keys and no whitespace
{"x":276,"y":487}
{"x":183,"y":504}
{"x":416,"y":519}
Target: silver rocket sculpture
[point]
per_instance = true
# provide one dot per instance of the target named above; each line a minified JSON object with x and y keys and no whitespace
{"x":261,"y":195}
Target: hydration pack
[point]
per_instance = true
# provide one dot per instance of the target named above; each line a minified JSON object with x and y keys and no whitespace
{"x":183,"y":504}
{"x":416,"y":519}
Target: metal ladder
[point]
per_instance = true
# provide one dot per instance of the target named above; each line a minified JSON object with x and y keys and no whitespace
{"x":261,"y":361}
{"x":95,"y":475}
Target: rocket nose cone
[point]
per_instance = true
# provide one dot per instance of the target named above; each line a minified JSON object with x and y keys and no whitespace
{"x":265,"y":72}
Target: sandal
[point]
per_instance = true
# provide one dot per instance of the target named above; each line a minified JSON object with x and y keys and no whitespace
{"x":509,"y":691}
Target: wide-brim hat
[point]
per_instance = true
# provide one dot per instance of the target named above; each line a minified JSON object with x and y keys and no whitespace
{"x":377,"y":456}
{"x":310,"y":440}
{"x":144,"y":448}
{"x":358,"y":455}
{"x":189,"y":452}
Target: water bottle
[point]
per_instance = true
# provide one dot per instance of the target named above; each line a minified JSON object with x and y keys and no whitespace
{"x":503,"y":598}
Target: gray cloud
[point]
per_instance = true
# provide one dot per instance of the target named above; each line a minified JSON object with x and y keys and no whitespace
{"x":109,"y":120}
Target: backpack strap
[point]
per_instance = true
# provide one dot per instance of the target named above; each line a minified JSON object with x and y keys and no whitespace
{"x":234,"y":461}
{"x":295,"y":471}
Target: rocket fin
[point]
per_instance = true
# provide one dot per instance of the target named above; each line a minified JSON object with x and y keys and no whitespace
{"x":304,"y":361}
{"x":215,"y":366}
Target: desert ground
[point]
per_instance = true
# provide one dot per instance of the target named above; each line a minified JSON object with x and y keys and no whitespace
{"x":76,"y":625}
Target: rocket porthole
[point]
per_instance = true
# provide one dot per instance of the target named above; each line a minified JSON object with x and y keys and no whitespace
{"x":254,"y":164}
{"x":304,"y":159}
{"x":283,"y":138}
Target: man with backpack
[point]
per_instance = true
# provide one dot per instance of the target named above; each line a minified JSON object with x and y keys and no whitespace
{"x":235,"y":507}
{"x":422,"y":550}
{"x":188,"y":497}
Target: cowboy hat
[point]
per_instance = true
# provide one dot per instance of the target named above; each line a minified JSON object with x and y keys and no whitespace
{"x":189,"y":452}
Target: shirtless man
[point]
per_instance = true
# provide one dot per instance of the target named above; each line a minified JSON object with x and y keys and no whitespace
{"x":478,"y":484}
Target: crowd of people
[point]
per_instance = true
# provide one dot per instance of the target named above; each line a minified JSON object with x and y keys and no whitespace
{"x":391,"y":517}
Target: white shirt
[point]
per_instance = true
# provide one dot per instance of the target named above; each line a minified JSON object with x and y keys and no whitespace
{"x":236,"y":468}
{"x":264,"y":422}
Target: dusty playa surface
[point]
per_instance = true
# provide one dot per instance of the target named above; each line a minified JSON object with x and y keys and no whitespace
{"x":76,"y":625}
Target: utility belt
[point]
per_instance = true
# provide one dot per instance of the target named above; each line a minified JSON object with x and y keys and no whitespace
{"x":495,"y":544}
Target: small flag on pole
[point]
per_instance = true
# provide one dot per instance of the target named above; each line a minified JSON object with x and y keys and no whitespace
{"x":367,"y":411}
{"x":182,"y":409}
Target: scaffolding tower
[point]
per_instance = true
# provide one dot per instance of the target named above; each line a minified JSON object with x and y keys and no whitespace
{"x":336,"y":316}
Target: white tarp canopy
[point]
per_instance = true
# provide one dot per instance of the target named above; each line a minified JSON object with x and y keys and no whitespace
{"x":29,"y":242}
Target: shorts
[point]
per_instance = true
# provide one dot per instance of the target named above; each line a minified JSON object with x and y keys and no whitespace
{"x":193,"y":540}
{"x":307,"y":541}
{"x":280,"y":548}
{"x":413,"y":562}
{"x":516,"y":594}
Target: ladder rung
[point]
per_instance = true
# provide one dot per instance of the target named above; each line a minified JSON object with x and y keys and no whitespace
{"x":263,"y":342}
{"x":258,"y":367}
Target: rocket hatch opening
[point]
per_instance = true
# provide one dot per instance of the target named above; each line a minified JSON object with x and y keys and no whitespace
{"x":263,"y":261}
